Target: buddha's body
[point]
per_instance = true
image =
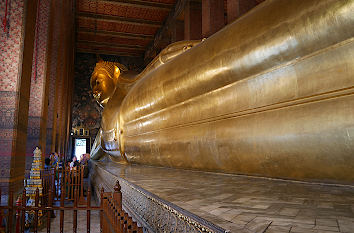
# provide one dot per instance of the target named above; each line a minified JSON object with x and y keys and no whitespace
{"x":271,"y":94}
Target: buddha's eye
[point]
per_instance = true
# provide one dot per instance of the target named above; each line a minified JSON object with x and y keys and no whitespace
{"x":97,"y":82}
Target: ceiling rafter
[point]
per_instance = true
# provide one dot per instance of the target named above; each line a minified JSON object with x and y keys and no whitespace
{"x":110,"y":52}
{"x":110,"y":45}
{"x":143,"y":4}
{"x":118,"y":19}
{"x":107,"y":47}
{"x":178,"y":8}
{"x":116,"y":34}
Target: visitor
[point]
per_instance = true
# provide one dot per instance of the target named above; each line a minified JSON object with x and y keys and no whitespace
{"x":74,"y":164}
{"x":54,"y":159}
{"x":61,"y":164}
{"x":84,"y":159}
{"x":67,"y":164}
{"x":84,"y":164}
{"x":47,"y":164}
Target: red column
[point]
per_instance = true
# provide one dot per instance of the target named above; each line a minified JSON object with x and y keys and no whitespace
{"x":177,"y":31}
{"x":237,"y":8}
{"x":212,"y":16}
{"x":16,"y":51}
{"x":247,"y":5}
{"x":59,"y":74}
{"x":63,"y":78}
{"x":52,"y":70}
{"x":193,"y":21}
{"x":35,"y":117}
{"x":233,"y":10}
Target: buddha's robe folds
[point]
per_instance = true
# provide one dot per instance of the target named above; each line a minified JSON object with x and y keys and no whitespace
{"x":271,"y":94}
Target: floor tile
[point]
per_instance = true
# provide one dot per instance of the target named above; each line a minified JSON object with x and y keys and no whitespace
{"x":244,"y":202}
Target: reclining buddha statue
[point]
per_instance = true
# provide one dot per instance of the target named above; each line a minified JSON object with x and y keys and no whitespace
{"x":270,"y":94}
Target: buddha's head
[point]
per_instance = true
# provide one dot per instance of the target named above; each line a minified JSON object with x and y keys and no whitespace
{"x":104,"y":80}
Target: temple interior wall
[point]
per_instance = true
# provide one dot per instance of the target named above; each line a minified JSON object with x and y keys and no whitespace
{"x":29,"y":83}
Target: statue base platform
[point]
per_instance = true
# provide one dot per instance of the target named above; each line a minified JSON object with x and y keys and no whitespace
{"x":176,"y":200}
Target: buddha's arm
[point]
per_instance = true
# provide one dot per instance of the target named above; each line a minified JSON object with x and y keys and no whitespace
{"x":111,"y":111}
{"x":110,"y":122}
{"x":167,"y":54}
{"x":96,"y":151}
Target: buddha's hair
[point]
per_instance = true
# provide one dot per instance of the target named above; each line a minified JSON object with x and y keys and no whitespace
{"x":108,"y":67}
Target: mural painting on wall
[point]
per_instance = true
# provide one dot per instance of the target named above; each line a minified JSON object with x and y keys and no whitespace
{"x":86,"y":112}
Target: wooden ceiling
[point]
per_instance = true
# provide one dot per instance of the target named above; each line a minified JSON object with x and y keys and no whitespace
{"x":119,"y":27}
{"x":130,"y":27}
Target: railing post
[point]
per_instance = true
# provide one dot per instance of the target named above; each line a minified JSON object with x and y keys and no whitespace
{"x":125,"y":229}
{"x":53,"y":179}
{"x":58,"y":188}
{"x":101,"y":211}
{"x":82,"y":199}
{"x":49,"y":211}
{"x":130,"y":224}
{"x":117,"y":200}
{"x":118,"y":216}
{"x":36,"y":204}
{"x":10,"y":204}
{"x":76,"y":194}
{"x":109,"y":211}
{"x":122,"y":220}
{"x":66,"y":188}
{"x":72,"y":184}
{"x":18,"y":215}
{"x":0,"y":210}
{"x":23,"y":212}
{"x":116,"y":220}
{"x":117,"y":195}
{"x":134,"y":227}
{"x":88,"y":204}
{"x":59,"y":181}
{"x":1,"y":215}
{"x":62,"y":207}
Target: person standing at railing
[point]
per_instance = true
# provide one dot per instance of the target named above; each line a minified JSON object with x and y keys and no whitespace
{"x":54,"y":159}
{"x":67,"y":164}
{"x":84,"y":164}
{"x":47,"y":164}
{"x":74,"y":164}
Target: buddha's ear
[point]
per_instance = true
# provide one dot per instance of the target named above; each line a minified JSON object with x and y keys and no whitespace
{"x":98,"y":58}
{"x":116,"y":73}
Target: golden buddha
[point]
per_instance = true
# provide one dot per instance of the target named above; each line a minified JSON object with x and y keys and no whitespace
{"x":270,"y":94}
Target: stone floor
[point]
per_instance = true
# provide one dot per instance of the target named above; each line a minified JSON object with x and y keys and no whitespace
{"x":248,"y":204}
{"x":81,"y":221}
{"x":68,"y":222}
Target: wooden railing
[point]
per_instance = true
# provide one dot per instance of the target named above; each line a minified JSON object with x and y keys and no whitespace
{"x":65,"y":181}
{"x":113,"y":219}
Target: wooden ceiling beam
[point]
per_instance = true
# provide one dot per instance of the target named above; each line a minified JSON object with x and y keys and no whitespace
{"x":105,"y":52}
{"x":118,"y":19}
{"x":110,"y":45}
{"x":143,"y":4}
{"x":115,"y":34}
{"x":171,"y":18}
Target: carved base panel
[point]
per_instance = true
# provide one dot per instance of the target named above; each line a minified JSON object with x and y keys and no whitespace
{"x":151,"y":212}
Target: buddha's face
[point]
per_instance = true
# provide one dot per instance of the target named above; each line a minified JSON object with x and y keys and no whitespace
{"x":102,"y":87}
